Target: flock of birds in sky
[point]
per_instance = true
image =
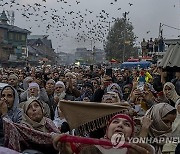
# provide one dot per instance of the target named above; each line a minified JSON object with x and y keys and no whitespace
{"x":86,"y":24}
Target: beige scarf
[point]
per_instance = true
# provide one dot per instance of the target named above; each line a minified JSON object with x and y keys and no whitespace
{"x":173,"y":94}
{"x":40,"y":126}
{"x":158,"y":128}
{"x":156,"y":113}
{"x":89,"y":116}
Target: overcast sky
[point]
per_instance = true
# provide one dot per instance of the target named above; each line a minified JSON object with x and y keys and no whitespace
{"x":93,"y":15}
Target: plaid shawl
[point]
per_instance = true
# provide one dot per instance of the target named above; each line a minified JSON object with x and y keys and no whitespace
{"x":90,"y":116}
{"x":17,"y":135}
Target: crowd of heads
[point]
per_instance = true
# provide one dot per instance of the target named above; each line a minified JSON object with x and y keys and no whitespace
{"x":152,"y":96}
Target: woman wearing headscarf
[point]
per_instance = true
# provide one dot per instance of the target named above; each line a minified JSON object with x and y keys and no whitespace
{"x":34,"y":131}
{"x":10,"y":99}
{"x":26,"y":82}
{"x":33,"y":117}
{"x":171,"y":94}
{"x":162,"y":116}
{"x":119,"y":124}
{"x":87,"y":92}
{"x":111,"y":97}
{"x":9,"y":107}
{"x":115,"y":88}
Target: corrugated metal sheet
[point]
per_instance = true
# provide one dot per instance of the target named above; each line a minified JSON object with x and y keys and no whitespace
{"x":171,"y":57}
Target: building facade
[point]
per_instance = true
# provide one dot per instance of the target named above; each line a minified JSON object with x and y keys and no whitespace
{"x":13,"y":42}
{"x":39,"y":48}
{"x":88,"y":56}
{"x":65,"y":58}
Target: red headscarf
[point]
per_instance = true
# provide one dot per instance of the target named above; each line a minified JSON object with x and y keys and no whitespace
{"x":123,"y":116}
{"x":91,"y":141}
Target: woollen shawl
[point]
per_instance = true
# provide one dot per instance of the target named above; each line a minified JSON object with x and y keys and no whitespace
{"x":89,"y":116}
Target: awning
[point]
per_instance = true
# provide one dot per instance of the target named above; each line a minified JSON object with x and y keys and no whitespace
{"x":171,"y":59}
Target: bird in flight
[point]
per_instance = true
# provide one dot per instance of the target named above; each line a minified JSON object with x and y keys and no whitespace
{"x":130,"y":4}
{"x":77,"y":2}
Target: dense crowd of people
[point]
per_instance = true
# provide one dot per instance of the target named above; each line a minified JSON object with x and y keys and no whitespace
{"x":79,"y":109}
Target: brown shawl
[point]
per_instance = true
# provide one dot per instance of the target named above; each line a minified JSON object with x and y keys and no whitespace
{"x":89,"y":116}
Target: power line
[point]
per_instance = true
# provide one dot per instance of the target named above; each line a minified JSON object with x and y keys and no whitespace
{"x":170,"y":26}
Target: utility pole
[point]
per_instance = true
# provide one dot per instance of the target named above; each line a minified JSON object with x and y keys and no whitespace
{"x":91,"y":45}
{"x":109,"y":26}
{"x":92,"y":51}
{"x":124,"y":14}
{"x":160,"y":30}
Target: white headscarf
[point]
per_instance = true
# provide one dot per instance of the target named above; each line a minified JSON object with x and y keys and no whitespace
{"x":172,"y":94}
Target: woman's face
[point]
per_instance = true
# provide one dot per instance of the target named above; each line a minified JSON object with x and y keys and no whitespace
{"x":167,"y":91}
{"x":7,"y":93}
{"x":34,"y":111}
{"x":114,"y":88}
{"x":169,"y":119}
{"x":121,"y":126}
{"x":109,"y":98}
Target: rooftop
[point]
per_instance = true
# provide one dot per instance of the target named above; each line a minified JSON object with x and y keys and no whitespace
{"x":12,"y":28}
{"x":171,"y":41}
{"x":35,"y":37}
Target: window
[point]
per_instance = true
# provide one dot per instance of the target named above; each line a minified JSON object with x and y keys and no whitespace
{"x":23,"y":37}
{"x":11,"y":36}
{"x":16,"y":37}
